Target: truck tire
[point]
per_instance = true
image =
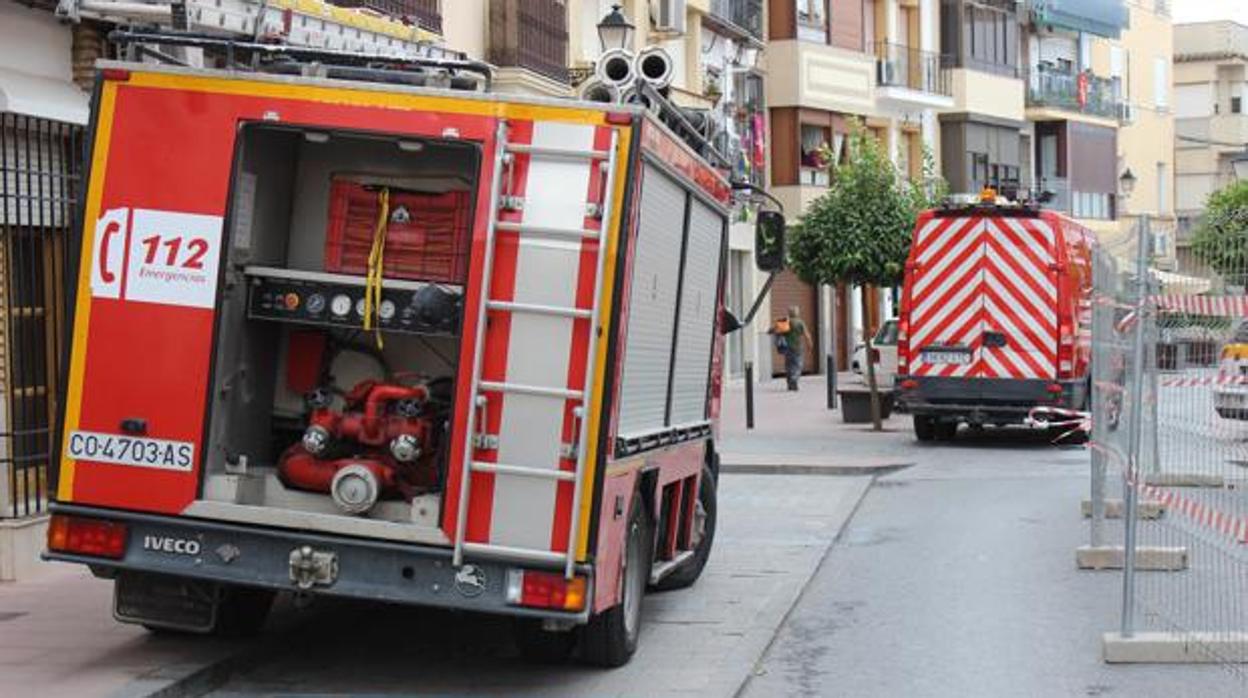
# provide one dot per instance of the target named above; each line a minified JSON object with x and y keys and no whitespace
{"x":704,"y":533}
{"x":610,"y":638}
{"x":924,"y":428}
{"x":946,"y":431}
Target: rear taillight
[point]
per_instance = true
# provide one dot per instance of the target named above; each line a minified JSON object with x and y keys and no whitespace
{"x":1065,"y":351}
{"x":534,"y":589}
{"x":909,"y":384}
{"x":1053,"y":388}
{"x":903,"y":346}
{"x":83,"y":536}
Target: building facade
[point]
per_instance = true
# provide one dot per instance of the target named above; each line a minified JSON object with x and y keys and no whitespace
{"x":1211,"y":121}
{"x":831,"y":63}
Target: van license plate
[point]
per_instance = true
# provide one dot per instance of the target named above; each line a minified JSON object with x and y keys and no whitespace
{"x":945,"y":356}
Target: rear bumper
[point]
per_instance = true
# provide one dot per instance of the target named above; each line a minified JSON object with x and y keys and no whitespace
{"x":985,"y":400}
{"x":260,"y":557}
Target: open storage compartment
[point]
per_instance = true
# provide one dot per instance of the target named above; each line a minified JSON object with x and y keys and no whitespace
{"x":338,"y":331}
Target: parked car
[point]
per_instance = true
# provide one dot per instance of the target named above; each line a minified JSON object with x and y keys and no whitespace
{"x":884,"y":346}
{"x":1230,"y":394}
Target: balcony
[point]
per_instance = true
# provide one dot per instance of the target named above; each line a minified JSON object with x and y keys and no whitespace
{"x":819,"y":76}
{"x":1106,"y":18}
{"x":1078,"y":204}
{"x":739,"y":19}
{"x":1049,"y":87}
{"x":424,"y":13}
{"x":909,"y":77}
{"x":530,"y":36}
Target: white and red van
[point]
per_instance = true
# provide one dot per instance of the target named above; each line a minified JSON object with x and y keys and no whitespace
{"x":995,"y":316}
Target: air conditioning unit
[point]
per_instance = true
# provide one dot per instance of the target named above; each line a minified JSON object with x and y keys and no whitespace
{"x":668,"y":16}
{"x":1126,"y":113}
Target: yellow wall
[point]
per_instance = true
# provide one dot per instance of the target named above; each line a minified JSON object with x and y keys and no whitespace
{"x":1149,"y":140}
{"x":818,"y":76}
{"x":987,"y":94}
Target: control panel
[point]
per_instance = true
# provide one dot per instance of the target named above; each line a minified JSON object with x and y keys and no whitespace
{"x":337,"y":300}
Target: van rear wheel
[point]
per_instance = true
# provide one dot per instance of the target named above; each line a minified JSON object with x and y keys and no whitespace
{"x":924,"y":428}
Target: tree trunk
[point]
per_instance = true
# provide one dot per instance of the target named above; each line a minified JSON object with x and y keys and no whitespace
{"x":866,"y":340}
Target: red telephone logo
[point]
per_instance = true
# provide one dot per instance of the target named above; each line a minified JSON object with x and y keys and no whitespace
{"x":112,"y":228}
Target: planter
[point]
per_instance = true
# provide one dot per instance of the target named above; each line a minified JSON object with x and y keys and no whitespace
{"x":856,"y":404}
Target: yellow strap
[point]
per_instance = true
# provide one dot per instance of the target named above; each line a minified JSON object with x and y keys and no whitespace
{"x":376,"y":259}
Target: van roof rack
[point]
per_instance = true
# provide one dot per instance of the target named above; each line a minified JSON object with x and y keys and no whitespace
{"x":319,"y":62}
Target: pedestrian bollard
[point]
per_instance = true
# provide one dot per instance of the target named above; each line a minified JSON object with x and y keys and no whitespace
{"x":749,"y":395}
{"x":831,"y":381}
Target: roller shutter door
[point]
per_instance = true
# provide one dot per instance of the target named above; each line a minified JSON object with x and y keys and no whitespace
{"x":652,"y":305}
{"x":697,"y":314}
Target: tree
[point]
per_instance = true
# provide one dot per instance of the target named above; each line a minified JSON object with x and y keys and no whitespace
{"x":859,"y":232}
{"x":1221,"y":238}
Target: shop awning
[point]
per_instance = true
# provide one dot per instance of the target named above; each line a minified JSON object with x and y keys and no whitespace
{"x":1107,"y":18}
{"x":48,"y":98}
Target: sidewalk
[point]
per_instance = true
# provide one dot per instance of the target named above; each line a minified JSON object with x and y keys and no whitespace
{"x":58,"y":638}
{"x":796,"y":432}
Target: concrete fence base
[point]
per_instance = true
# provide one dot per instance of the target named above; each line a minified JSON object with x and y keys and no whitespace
{"x":1175,"y":648}
{"x":1110,"y":557}
{"x":1185,"y":480}
{"x":1114,"y":508}
{"x":21,"y":541}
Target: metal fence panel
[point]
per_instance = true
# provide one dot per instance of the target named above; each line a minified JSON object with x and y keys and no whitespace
{"x":1170,"y":425}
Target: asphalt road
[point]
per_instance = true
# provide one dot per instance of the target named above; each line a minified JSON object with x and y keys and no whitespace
{"x":703,"y":641}
{"x":956,"y":578}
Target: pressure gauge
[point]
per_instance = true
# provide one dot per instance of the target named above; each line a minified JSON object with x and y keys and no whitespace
{"x":359,"y":307}
{"x":386,"y":310}
{"x":341,"y":305}
{"x":316,"y":304}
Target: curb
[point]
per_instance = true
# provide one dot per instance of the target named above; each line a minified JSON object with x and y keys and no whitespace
{"x":864,"y":469}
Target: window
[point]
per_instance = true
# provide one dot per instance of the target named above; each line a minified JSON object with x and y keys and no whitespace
{"x":979,"y":170}
{"x":1237,"y":105}
{"x":812,"y":20}
{"x":1163,"y":205}
{"x":1161,"y":83}
{"x":814,"y":155}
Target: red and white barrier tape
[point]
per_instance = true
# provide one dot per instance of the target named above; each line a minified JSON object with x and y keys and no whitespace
{"x":1234,"y":527}
{"x":1217,"y":306}
{"x":1203,"y":380}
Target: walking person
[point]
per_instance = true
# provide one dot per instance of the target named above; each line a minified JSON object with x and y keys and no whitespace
{"x":791,"y":337}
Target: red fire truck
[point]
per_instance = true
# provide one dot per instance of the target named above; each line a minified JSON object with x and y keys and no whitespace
{"x":336,"y":335}
{"x":995,"y":316}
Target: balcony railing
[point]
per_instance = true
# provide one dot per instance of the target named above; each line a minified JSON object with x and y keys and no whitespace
{"x":530,"y":34}
{"x":424,"y":13}
{"x":897,"y":65}
{"x":738,"y":17}
{"x":1062,"y":197}
{"x":1048,"y":86}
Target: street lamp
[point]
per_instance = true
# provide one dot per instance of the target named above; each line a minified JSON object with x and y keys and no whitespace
{"x":1239,"y":165}
{"x":615,"y":31}
{"x":1126,"y":183}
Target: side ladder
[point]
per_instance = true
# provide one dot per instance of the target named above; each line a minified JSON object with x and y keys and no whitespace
{"x":505,"y":154}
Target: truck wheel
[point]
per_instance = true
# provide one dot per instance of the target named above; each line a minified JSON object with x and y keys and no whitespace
{"x":703,"y":536}
{"x":543,"y":646}
{"x":924,"y":428}
{"x":610,"y":638}
{"x":946,"y":431}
